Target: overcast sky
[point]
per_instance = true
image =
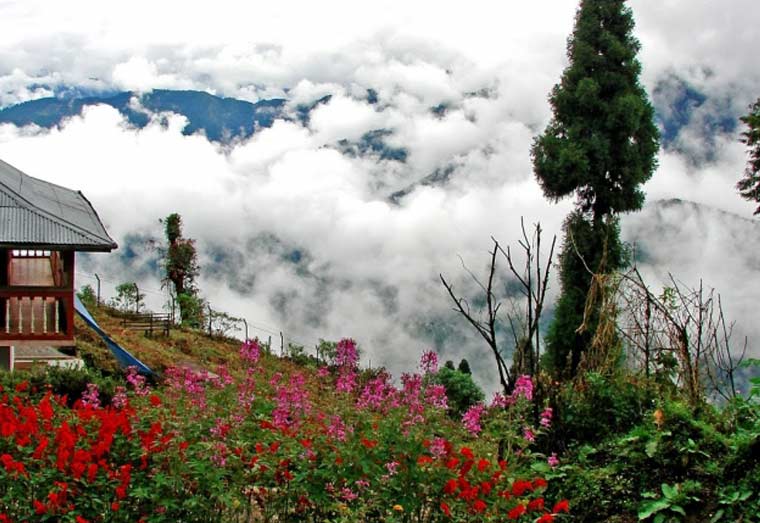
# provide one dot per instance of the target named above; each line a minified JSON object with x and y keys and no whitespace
{"x":370,"y":267}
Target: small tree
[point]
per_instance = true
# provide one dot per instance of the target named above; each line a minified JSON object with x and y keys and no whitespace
{"x":749,"y":186}
{"x":128,"y":297}
{"x":181,"y":266}
{"x":461,"y":391}
{"x":87,"y":296}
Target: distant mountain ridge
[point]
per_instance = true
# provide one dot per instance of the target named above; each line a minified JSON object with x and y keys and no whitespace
{"x":221,"y":119}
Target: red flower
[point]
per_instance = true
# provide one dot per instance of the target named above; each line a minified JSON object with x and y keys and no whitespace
{"x":424,"y":460}
{"x":516,"y":512}
{"x":370,"y":444}
{"x":536,"y":504}
{"x":561,"y":506}
{"x":539,"y":483}
{"x":546,"y":518}
{"x":479,"y":506}
{"x":445,"y":508}
{"x":39,"y":507}
{"x":155,"y":400}
{"x":115,"y":506}
{"x":452,"y":463}
{"x":80,"y":519}
{"x":450,"y":487}
{"x":520,"y":487}
{"x":483,"y":464}
{"x":467,"y":453}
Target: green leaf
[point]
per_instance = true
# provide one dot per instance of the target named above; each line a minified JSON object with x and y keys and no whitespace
{"x":668,"y":491}
{"x":679,"y":509}
{"x":651,"y":448}
{"x":652,"y":507}
{"x":659,"y":518}
{"x":717,"y":516}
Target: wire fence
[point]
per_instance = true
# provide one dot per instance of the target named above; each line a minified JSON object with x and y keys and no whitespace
{"x":243,"y":324}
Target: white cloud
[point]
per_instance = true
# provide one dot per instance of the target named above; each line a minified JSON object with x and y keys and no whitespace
{"x":369,"y":268}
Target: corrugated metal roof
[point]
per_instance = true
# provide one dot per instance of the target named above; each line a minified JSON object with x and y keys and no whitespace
{"x":41,"y":214}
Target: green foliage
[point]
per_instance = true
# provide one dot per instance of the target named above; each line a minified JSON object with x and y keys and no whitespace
{"x":614,"y":403}
{"x":749,"y":186}
{"x":128,"y":297}
{"x":461,"y":390}
{"x":67,"y":382}
{"x":600,"y":249}
{"x":326,"y":350}
{"x":192,"y":310}
{"x":464,"y":367}
{"x":181,"y":266}
{"x":602,"y":141}
{"x":87,"y":296}
{"x":173,"y":227}
{"x":669,"y":507}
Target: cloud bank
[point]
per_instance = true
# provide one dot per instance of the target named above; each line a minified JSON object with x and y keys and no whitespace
{"x":299,"y":236}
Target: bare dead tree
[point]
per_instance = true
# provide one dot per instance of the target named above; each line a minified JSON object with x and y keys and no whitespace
{"x":687,"y":323}
{"x":533,"y":280}
{"x":486,"y":327}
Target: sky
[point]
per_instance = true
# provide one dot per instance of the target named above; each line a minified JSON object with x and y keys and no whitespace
{"x":364,"y":266}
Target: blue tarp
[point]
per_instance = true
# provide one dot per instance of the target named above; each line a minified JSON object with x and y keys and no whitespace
{"x":122,"y":355}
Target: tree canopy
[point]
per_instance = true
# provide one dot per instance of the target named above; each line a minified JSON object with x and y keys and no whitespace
{"x":749,"y":186}
{"x":601,"y":142}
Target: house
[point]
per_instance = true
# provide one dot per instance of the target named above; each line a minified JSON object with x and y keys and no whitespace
{"x":42,"y":226}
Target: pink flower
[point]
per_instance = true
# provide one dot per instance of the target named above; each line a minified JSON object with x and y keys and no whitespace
{"x":438,"y":447}
{"x":346,"y":354}
{"x":119,"y":399}
{"x":523,"y":387}
{"x":546,"y":418}
{"x":429,"y":362}
{"x":528,"y":435}
{"x":435,"y":395}
{"x":552,"y":460}
{"x":90,"y":398}
{"x":250,"y":351}
{"x":471,"y":419}
{"x":347,"y":359}
{"x":378,"y":394}
{"x":500,"y":401}
{"x":137,"y":381}
{"x":337,"y":429}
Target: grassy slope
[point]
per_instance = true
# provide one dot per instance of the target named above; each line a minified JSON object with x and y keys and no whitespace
{"x":181,"y":347}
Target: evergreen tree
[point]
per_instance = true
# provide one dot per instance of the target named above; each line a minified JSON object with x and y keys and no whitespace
{"x":749,"y":186}
{"x":600,"y":145}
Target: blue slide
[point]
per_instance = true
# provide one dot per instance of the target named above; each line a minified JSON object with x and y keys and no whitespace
{"x":123,"y":356}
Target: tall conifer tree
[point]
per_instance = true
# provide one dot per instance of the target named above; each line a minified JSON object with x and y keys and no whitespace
{"x":749,"y":186}
{"x":600,"y":145}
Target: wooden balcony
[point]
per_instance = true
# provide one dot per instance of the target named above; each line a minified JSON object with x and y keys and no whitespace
{"x":36,"y":314}
{"x":36,"y":297}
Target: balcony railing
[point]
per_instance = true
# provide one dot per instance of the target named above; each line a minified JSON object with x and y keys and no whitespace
{"x":36,"y":313}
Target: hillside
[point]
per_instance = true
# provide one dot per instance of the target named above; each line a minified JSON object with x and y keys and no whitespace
{"x":183,"y":347}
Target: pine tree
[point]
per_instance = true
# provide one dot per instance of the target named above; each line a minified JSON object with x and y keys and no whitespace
{"x":600,"y":145}
{"x":749,"y":186}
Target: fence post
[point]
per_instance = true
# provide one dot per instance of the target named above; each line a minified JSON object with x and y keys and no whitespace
{"x":97,"y":298}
